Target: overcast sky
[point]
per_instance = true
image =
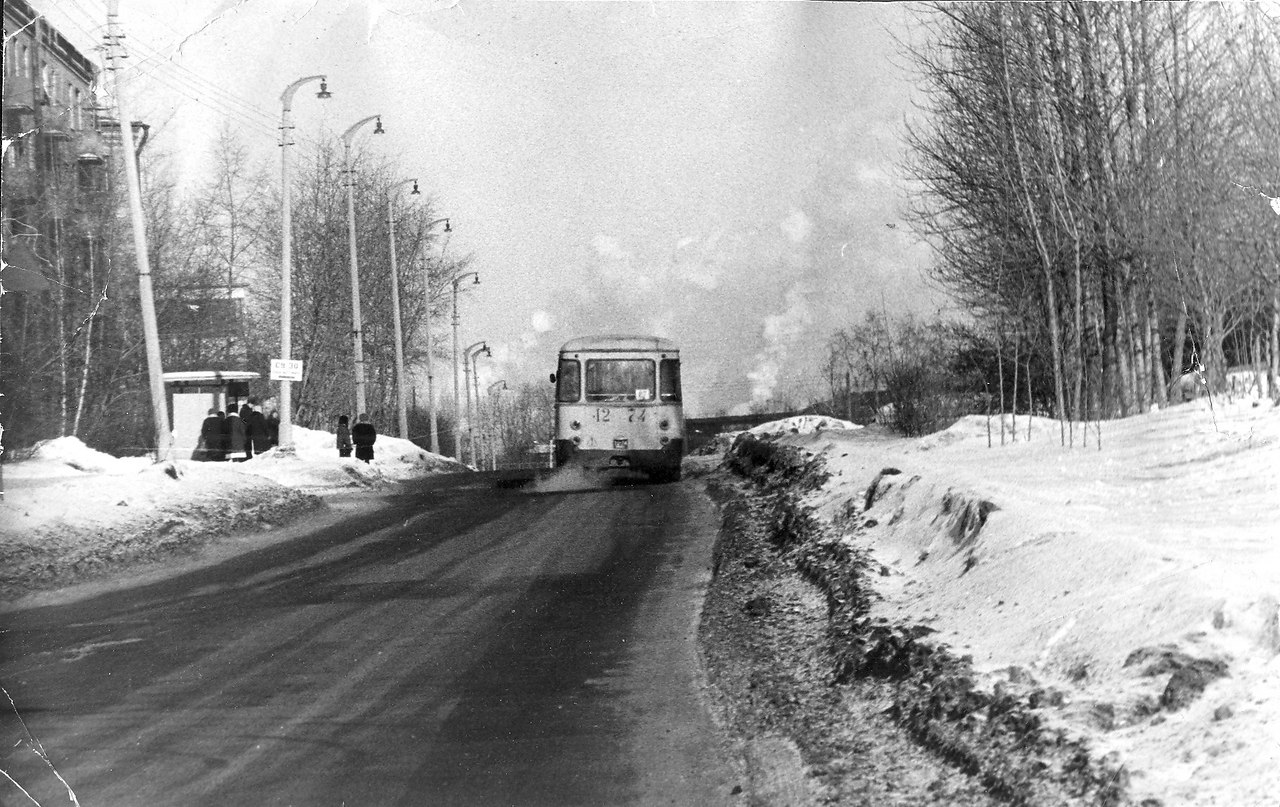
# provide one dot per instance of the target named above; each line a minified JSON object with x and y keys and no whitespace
{"x":723,"y":174}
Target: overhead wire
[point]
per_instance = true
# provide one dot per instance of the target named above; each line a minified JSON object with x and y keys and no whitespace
{"x":174,"y":76}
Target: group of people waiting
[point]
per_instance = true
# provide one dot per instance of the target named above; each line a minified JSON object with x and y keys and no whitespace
{"x":237,"y":434}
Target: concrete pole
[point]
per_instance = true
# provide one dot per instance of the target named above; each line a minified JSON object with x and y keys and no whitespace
{"x":357,"y":337}
{"x":457,"y":394}
{"x":150,"y":331}
{"x":468,"y":366}
{"x":457,"y":405}
{"x":402,"y":409}
{"x":286,"y":257}
{"x":431,"y":378}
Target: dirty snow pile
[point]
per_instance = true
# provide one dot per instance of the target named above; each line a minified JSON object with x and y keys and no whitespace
{"x":800,"y":424}
{"x":1140,"y":581}
{"x":70,"y":511}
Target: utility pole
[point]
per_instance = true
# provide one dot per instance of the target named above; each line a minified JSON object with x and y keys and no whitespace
{"x":286,"y":446}
{"x":401,"y":403}
{"x":357,"y":335}
{"x":150,"y":332}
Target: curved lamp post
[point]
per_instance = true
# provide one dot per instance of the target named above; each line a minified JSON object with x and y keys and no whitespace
{"x":401,"y":406}
{"x":469,"y":357}
{"x":457,"y":398}
{"x":491,"y":435}
{"x":431,"y":379}
{"x":286,"y":255}
{"x":357,"y":337}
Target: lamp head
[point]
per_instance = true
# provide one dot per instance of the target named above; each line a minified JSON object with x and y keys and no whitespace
{"x":446,"y":226}
{"x":415,"y":191}
{"x":476,"y":282}
{"x":324,"y":90}
{"x":377,"y":128}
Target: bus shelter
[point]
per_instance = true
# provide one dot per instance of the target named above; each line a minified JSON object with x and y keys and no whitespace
{"x":193,"y":393}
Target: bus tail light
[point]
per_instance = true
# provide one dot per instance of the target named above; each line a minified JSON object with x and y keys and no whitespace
{"x":575,"y":425}
{"x":664,"y":424}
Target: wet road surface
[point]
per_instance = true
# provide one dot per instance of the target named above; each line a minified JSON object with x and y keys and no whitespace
{"x":464,"y":644}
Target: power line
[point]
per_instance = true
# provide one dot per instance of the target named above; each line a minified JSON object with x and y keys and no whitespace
{"x":180,"y":79}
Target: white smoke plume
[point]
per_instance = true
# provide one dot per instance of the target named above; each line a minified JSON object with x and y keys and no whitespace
{"x":780,"y":332}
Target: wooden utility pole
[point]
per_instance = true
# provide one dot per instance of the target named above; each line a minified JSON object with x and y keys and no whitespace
{"x":151,"y":335}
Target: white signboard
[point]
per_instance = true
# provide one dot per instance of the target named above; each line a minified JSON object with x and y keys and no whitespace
{"x":286,"y":369}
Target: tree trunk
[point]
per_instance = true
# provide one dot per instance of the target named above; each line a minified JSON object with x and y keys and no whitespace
{"x":1159,"y":383}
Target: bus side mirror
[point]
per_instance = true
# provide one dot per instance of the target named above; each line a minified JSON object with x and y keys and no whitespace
{"x":553,"y":378}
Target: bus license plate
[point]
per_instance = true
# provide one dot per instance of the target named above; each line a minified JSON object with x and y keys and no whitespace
{"x":620,"y":443}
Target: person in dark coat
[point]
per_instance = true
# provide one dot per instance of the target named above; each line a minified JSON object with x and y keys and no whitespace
{"x":224,"y":439}
{"x":344,"y":436}
{"x":246,"y":417}
{"x":273,"y":429}
{"x":363,"y":434}
{"x":207,"y":450}
{"x":256,"y":427}
{"x":237,"y":441}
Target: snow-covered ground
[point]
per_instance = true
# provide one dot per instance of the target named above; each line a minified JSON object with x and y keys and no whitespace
{"x":70,"y":511}
{"x":1167,"y":536}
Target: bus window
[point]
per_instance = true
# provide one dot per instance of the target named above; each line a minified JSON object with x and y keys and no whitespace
{"x":568,"y":381}
{"x":669,"y":380}
{"x":620,"y":379}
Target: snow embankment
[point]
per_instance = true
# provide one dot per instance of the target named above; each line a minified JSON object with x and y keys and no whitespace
{"x":69,"y":511}
{"x":1139,"y":582}
{"x":801,"y":424}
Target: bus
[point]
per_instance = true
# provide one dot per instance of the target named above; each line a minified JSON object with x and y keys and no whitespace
{"x":618,"y":405}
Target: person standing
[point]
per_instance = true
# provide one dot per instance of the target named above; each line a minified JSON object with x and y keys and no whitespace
{"x":273,"y":429}
{"x":237,"y":440}
{"x":344,"y":436}
{"x":220,"y":448}
{"x":210,"y":434}
{"x":256,"y":426}
{"x":363,"y":434}
{"x":246,"y":417}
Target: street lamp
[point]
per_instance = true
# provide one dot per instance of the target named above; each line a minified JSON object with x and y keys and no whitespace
{"x":457,"y":398}
{"x":357,"y":337}
{"x":469,"y":357}
{"x":431,"y":379}
{"x":491,"y":436}
{"x":286,"y":256}
{"x":401,"y":407}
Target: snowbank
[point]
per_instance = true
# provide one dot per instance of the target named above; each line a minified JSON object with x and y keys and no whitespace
{"x":1096,"y":574}
{"x":800,"y":424}
{"x":317,"y":466}
{"x":69,"y":511}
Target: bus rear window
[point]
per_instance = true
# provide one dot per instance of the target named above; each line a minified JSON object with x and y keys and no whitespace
{"x":568,"y":381}
{"x":620,"y":380}
{"x":669,"y":380}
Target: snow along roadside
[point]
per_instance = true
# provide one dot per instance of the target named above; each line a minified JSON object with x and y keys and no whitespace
{"x":71,"y":514}
{"x":1076,"y":583}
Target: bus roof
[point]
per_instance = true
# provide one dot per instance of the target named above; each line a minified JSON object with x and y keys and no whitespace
{"x":619,"y":342}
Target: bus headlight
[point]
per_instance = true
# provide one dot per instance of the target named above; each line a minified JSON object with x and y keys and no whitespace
{"x":575,"y":425}
{"x":577,"y":441}
{"x":664,"y":424}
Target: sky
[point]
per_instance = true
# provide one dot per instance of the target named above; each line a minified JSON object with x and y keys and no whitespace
{"x":727,"y":175}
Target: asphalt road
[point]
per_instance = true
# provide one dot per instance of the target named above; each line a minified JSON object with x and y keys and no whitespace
{"x":465,"y":644}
